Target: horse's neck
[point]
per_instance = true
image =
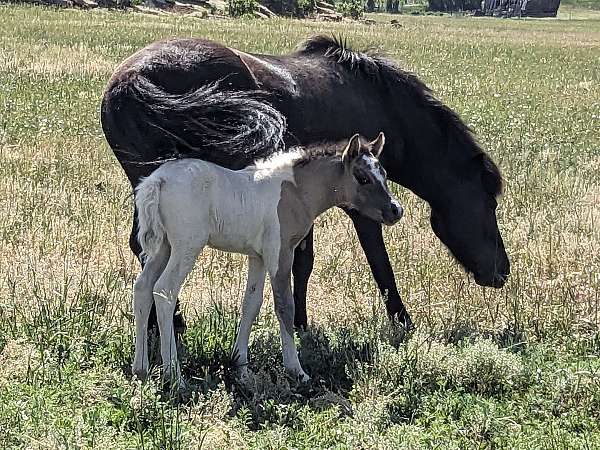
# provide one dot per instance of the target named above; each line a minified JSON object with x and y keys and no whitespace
{"x":318,"y":183}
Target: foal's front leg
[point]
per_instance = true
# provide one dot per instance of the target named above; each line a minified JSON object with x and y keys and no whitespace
{"x":252,"y":302}
{"x":284,"y":308}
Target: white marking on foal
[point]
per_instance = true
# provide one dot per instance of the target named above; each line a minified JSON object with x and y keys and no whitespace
{"x":375,"y":170}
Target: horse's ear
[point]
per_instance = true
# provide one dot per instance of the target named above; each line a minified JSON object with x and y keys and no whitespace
{"x":352,"y":149}
{"x":377,"y":145}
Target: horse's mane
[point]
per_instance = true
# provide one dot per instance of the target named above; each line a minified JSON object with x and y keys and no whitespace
{"x":380,"y":69}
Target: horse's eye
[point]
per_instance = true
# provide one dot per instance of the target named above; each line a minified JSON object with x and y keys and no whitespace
{"x":361,"y":179}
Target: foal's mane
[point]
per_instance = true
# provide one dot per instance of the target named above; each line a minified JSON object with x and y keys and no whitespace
{"x":380,"y":69}
{"x":299,"y":156}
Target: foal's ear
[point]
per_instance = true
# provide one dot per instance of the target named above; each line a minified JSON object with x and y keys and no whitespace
{"x":377,"y":145}
{"x":352,"y":150}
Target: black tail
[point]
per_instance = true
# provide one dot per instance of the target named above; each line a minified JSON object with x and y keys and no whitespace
{"x":144,"y":124}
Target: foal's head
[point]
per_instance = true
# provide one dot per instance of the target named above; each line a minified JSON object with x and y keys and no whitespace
{"x":365,"y":181}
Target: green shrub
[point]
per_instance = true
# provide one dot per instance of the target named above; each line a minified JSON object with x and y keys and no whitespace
{"x":351,"y":8}
{"x":305,"y":7}
{"x":238,"y":8}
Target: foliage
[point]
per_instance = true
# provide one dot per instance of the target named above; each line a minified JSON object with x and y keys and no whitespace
{"x":238,"y":8}
{"x":351,"y":8}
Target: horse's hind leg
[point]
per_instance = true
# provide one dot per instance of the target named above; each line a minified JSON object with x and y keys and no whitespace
{"x":143,"y":301}
{"x":134,"y":245}
{"x":253,"y":299}
{"x":303,"y":265}
{"x":371,"y":240}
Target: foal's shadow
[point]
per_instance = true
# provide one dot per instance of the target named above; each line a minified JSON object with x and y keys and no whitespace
{"x":271,"y":395}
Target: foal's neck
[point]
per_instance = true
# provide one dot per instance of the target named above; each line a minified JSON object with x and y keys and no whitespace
{"x":319,"y":183}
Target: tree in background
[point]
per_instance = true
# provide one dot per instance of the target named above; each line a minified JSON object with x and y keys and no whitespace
{"x":392,"y":6}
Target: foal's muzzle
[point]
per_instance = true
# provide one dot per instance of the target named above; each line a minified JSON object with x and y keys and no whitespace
{"x":393,"y":213}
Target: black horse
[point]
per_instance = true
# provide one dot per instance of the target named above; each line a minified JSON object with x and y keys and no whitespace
{"x":197,"y":98}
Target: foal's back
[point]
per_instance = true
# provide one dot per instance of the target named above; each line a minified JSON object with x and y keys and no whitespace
{"x":228,"y":210}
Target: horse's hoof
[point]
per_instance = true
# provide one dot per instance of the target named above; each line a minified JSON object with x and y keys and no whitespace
{"x":407,"y":323}
{"x":301,"y":327}
{"x":176,"y":385}
{"x":403,"y":319}
{"x":179,"y":324}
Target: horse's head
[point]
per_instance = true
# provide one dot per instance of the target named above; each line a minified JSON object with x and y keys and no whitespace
{"x":365,"y":181}
{"x":464,"y":218}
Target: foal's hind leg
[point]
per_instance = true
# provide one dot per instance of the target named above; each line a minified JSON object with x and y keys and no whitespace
{"x":252,"y":302}
{"x":143,"y":300}
{"x":134,"y":245}
{"x":166,"y":291}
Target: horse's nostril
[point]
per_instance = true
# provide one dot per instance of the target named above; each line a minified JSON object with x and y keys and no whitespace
{"x":394,"y":210}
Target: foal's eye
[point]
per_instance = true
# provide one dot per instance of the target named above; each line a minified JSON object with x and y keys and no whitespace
{"x":362,"y":180}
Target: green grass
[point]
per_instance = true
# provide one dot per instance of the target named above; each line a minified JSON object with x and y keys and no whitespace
{"x":515,"y":368}
{"x":587,"y":4}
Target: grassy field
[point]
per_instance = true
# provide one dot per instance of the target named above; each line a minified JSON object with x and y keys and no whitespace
{"x":515,"y":368}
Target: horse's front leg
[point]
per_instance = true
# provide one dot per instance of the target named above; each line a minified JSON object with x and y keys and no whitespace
{"x":370,"y":237}
{"x":303,"y":265}
{"x":252,"y":302}
{"x":281,"y":277}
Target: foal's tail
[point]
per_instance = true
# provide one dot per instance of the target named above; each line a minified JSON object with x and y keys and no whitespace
{"x":151,"y":231}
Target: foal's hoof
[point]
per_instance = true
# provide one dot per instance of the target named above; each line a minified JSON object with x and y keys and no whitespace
{"x":244,"y":375}
{"x":303,"y":377}
{"x":299,"y":375}
{"x":141,"y":373}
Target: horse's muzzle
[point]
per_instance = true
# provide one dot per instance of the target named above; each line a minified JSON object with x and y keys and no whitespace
{"x":495,"y":280}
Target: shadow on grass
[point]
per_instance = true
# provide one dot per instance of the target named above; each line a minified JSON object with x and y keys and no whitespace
{"x":271,"y":395}
{"x":335,"y":358}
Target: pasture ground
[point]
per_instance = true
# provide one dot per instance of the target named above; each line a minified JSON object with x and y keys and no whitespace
{"x":515,"y":368}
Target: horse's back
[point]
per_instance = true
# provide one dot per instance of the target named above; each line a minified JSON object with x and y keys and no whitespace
{"x":175,"y":66}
